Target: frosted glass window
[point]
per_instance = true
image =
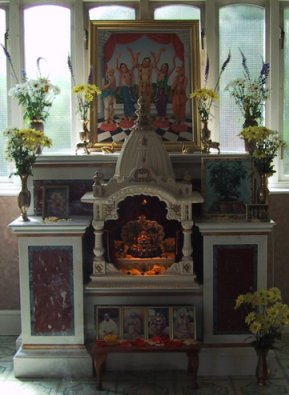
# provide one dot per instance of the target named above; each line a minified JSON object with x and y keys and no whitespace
{"x":285,"y":161}
{"x":110,"y":12}
{"x":177,"y":12}
{"x":240,"y":26}
{"x":3,"y":95}
{"x":47,"y":35}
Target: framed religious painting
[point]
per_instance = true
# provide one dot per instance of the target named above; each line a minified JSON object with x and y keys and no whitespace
{"x":149,"y":66}
{"x":183,"y":322}
{"x":133,"y":322}
{"x":228,"y":185}
{"x":55,"y":201}
{"x":108,"y":322}
{"x":158,"y":322}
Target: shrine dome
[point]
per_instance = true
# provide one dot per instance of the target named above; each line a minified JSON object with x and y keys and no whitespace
{"x":144,"y":149}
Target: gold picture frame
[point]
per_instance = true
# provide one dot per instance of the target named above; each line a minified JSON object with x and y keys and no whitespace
{"x":151,"y":59}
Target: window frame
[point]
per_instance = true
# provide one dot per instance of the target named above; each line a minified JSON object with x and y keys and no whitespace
{"x":209,"y":10}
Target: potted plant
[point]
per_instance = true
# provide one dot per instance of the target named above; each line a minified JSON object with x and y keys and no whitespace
{"x":205,"y":98}
{"x":85,"y":95}
{"x":250,"y":93}
{"x":35,"y":96}
{"x":266,"y":316}
{"x":263,"y":145}
{"x":21,"y":148}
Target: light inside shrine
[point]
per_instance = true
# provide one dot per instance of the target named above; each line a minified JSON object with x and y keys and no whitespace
{"x":142,"y":241}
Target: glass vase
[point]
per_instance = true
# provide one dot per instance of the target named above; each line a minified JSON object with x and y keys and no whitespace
{"x":84,"y":136}
{"x":263,"y":191}
{"x":249,"y":121}
{"x":205,"y":137}
{"x":262,"y":368}
{"x":38,"y":124}
{"x":24,"y":198}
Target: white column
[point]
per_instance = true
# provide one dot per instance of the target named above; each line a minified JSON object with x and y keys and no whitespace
{"x":187,"y":260}
{"x":98,"y":251}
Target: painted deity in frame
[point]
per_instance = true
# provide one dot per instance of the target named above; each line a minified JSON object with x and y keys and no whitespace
{"x":156,"y":61}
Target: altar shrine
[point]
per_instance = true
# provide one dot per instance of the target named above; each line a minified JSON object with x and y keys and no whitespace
{"x":136,"y":236}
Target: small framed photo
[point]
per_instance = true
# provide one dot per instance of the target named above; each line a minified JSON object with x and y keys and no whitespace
{"x":184,"y":322}
{"x":133,"y":323}
{"x":107,"y":321}
{"x":55,"y":201}
{"x":158,"y":322}
{"x":257,"y":213}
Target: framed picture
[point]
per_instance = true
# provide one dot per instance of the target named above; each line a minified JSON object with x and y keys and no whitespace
{"x":155,"y":60}
{"x":108,"y":321}
{"x":55,"y":201}
{"x":133,"y":323}
{"x":158,"y":322}
{"x":184,"y":322}
{"x":227,"y":185}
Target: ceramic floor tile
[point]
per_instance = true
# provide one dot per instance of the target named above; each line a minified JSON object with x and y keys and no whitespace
{"x":28,"y":387}
{"x":168,"y":382}
{"x":6,"y":370}
{"x":250,"y":387}
{"x":83,"y":387}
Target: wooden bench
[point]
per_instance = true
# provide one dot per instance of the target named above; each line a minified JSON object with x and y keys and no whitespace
{"x":100,"y":353}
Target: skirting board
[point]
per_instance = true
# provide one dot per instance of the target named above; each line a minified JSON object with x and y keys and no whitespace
{"x":10,"y":322}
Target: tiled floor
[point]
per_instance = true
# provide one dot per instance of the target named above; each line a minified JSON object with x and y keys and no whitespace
{"x":142,"y":383}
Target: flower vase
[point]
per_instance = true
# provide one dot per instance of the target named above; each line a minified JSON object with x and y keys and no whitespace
{"x":38,"y":124}
{"x":262,"y":368}
{"x":24,"y":197}
{"x":84,"y":136}
{"x":205,"y":137}
{"x":249,"y":146}
{"x":263,"y":191}
{"x":249,"y":121}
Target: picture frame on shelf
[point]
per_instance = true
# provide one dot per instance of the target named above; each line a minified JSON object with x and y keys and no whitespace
{"x":107,"y":321}
{"x":133,"y":322}
{"x":55,"y":201}
{"x":183,"y":322}
{"x":158,"y":61}
{"x":227,"y":185}
{"x":158,"y":322}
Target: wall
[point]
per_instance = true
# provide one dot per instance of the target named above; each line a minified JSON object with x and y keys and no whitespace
{"x":9,"y":281}
{"x":9,"y":274}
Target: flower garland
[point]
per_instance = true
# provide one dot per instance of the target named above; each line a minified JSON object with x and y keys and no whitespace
{"x":266,"y":315}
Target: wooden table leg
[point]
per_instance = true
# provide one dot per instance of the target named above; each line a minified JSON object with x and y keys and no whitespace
{"x":193,"y":358}
{"x":98,"y":360}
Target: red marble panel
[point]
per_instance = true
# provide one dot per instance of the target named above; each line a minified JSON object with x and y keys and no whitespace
{"x":235,"y":272}
{"x":51,"y":290}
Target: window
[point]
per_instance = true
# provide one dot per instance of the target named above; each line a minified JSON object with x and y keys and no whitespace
{"x":47,"y":35}
{"x":111,"y":12}
{"x":3,"y":95}
{"x":50,"y":34}
{"x":240,"y":27}
{"x":285,"y":162}
{"x":177,"y":12}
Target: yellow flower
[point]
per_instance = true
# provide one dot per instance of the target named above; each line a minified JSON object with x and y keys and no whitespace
{"x":255,"y":327}
{"x":250,"y":317}
{"x":85,"y":95}
{"x":267,"y":315}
